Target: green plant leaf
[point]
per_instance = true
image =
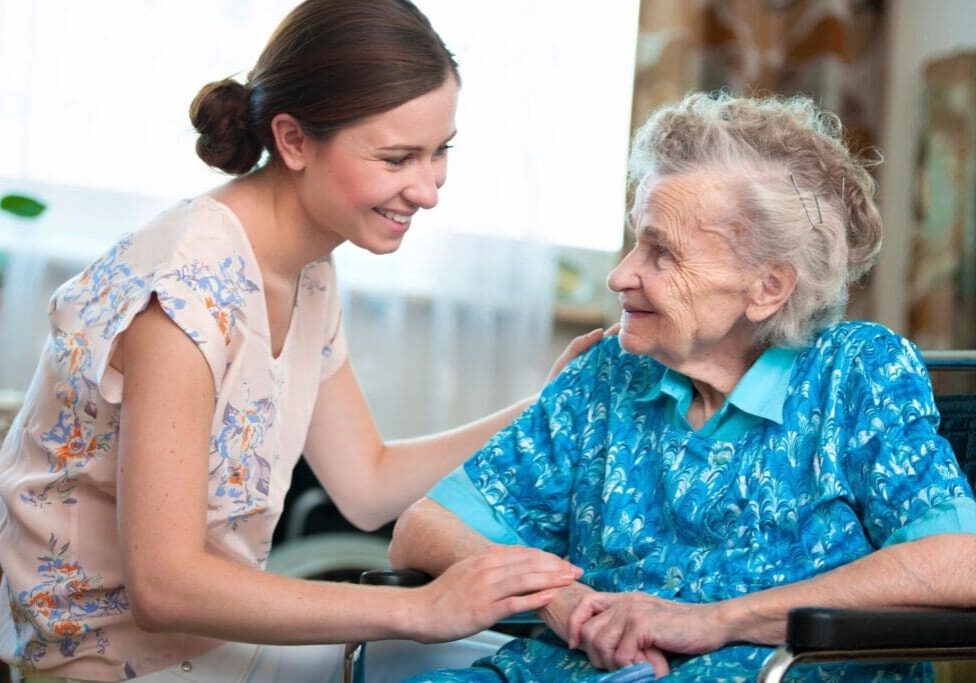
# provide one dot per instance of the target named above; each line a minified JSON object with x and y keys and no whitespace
{"x":19,"y":205}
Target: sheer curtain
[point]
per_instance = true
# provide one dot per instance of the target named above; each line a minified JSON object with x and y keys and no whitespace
{"x":450,"y":328}
{"x":94,"y":96}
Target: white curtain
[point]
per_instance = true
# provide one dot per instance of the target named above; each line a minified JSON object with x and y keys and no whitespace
{"x":93,"y":102}
{"x":450,"y":328}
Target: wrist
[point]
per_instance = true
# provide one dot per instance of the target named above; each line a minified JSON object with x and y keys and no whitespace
{"x":744,"y":619}
{"x":730,"y":617}
{"x":407,"y":615}
{"x":563,"y":598}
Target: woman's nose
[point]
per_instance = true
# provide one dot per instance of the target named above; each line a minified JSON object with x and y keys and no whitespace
{"x":422,"y":190}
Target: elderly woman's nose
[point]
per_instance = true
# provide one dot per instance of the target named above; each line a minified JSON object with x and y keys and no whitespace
{"x":622,"y":277}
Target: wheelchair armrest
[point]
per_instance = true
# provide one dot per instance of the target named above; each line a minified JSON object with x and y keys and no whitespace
{"x":405,"y":578}
{"x":811,"y":629}
{"x":820,"y":634}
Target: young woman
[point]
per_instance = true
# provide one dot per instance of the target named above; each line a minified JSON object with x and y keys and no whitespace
{"x":191,"y":365}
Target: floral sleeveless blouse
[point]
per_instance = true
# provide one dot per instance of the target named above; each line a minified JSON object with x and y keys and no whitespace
{"x":65,"y":611}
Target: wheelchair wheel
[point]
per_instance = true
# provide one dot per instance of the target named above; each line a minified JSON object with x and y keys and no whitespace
{"x":329,"y":557}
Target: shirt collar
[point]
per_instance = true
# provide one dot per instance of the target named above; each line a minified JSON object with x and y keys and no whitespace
{"x":760,"y":392}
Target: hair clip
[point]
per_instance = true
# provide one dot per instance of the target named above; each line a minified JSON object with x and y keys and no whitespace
{"x":805,"y":209}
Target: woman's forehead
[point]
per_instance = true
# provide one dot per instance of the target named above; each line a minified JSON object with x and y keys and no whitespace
{"x":701,"y":195}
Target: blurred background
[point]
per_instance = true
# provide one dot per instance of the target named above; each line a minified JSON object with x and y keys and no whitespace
{"x":490,"y":286}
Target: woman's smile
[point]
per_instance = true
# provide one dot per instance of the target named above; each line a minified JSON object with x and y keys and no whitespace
{"x":398,"y":223}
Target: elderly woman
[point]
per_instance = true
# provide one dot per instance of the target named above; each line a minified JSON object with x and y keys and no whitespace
{"x":738,"y":451}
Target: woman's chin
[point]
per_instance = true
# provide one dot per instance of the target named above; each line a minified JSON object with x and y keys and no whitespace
{"x":631,"y":343}
{"x":380,"y":247}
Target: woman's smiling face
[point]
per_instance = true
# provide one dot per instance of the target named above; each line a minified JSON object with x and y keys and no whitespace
{"x":366,"y":182}
{"x":683,"y":291}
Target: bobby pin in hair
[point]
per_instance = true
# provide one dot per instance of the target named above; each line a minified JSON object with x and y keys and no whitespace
{"x":805,"y":209}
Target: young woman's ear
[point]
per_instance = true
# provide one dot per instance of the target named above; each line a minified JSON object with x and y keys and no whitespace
{"x":290,"y":141}
{"x":773,"y":286}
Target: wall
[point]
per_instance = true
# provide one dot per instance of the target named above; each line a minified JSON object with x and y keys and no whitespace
{"x":919,"y":31}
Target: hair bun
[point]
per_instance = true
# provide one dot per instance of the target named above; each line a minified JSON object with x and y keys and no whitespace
{"x":219,"y":113}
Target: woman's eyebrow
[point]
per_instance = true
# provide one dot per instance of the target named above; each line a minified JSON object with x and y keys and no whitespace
{"x":413,"y":148}
{"x":661,"y":237}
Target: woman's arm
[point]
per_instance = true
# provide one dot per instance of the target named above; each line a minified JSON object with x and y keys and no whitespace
{"x":176,"y":583}
{"x":934,"y":571}
{"x":617,"y":630}
{"x":372,"y":481}
{"x":430,"y":538}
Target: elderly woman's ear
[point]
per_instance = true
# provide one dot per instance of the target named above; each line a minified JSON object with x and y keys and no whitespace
{"x":770,"y":290}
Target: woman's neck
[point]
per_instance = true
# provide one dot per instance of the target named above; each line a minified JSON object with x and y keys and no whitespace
{"x":713,"y":381}
{"x":282,"y":235}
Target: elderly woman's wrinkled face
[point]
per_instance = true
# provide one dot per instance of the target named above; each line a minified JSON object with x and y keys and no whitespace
{"x":684,"y":293}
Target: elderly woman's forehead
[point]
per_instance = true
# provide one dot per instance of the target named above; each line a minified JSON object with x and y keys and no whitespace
{"x":697,"y":189}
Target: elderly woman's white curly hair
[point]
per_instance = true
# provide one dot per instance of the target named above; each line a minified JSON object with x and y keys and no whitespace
{"x":803,"y":199}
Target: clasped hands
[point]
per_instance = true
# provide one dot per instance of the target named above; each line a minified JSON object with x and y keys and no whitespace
{"x":619,"y":629}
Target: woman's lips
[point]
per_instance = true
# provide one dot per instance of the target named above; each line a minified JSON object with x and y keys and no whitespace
{"x":397,"y":223}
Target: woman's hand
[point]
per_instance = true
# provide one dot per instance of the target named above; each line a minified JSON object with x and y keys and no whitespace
{"x":578,"y":346}
{"x":619,"y":629}
{"x":486,"y":587}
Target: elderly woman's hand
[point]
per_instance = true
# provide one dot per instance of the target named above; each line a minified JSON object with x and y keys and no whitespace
{"x":563,"y":605}
{"x":619,"y":629}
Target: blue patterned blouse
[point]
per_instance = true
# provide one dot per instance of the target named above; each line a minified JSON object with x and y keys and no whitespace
{"x":819,"y":457}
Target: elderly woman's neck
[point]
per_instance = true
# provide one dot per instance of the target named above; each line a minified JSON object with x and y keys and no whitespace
{"x":713,"y":380}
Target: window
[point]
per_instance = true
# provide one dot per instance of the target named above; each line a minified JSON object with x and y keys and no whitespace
{"x":96,"y":94}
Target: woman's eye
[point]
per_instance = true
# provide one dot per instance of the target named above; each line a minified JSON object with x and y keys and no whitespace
{"x":442,"y":150}
{"x":397,"y":161}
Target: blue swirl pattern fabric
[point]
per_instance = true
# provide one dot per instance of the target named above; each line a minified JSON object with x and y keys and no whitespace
{"x":599,"y":471}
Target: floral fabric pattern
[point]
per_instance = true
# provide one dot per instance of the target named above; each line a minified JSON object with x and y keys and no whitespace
{"x":594,"y":473}
{"x":68,"y":611}
{"x":243,"y":476}
{"x":65,"y":602}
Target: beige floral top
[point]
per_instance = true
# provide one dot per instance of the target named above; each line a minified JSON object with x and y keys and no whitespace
{"x":66,"y":611}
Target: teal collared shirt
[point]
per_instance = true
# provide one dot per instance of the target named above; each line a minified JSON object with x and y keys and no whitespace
{"x":759,"y":395}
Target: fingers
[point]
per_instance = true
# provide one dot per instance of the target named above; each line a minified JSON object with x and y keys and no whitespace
{"x":576,"y":347}
{"x":512,"y":579}
{"x":519,"y":582}
{"x":523,"y":603}
{"x":600,"y":636}
{"x":587,"y":608}
{"x":629,"y":651}
{"x":524,"y":560}
{"x":656,"y":658}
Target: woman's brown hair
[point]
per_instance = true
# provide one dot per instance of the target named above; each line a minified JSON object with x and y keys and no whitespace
{"x":328,"y":64}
